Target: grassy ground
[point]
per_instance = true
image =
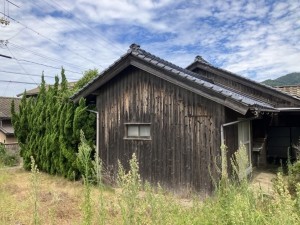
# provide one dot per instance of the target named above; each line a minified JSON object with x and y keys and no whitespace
{"x":64,"y":202}
{"x":59,"y":200}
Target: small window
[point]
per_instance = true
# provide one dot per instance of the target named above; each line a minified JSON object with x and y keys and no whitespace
{"x":138,"y":131}
{"x":132,"y":130}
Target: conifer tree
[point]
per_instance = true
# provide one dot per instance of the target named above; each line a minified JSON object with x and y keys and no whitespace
{"x":47,"y":128}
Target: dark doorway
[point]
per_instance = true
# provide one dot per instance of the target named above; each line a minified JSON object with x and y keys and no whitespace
{"x":281,"y":141}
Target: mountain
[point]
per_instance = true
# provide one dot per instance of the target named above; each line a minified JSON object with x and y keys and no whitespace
{"x":289,"y":79}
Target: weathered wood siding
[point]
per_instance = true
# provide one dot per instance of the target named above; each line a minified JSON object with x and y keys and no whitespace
{"x":185,"y":129}
{"x":245,"y":89}
{"x":231,"y":135}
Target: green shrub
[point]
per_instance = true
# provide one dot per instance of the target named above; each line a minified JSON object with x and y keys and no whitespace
{"x":7,"y":159}
{"x":293,"y":176}
{"x":48,"y":128}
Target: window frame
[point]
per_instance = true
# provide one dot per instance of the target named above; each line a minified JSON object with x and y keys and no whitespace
{"x":145,"y":138}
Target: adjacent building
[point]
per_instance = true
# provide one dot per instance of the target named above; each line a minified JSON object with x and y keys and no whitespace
{"x":7,"y":136}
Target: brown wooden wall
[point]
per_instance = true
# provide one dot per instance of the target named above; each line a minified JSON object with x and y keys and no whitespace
{"x":185,"y":129}
{"x":231,"y":135}
{"x":218,"y":79}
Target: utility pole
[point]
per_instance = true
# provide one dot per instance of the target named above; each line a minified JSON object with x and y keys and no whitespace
{"x":4,"y":44}
{"x":5,"y":19}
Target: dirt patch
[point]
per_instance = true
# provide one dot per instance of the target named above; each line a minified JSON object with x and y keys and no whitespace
{"x":12,"y":189}
{"x":59,"y":200}
{"x":263,"y":180}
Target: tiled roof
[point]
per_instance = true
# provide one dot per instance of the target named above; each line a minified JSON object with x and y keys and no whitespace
{"x":293,"y":90}
{"x":187,"y":75}
{"x":199,"y":59}
{"x":5,"y":106}
{"x":7,"y":129}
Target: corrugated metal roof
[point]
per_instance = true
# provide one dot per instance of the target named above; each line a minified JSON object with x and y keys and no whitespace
{"x":188,"y":75}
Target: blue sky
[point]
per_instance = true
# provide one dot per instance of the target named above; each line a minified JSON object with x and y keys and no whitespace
{"x":256,"y":39}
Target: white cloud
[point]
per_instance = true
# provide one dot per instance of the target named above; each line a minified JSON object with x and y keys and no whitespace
{"x":257,"y":39}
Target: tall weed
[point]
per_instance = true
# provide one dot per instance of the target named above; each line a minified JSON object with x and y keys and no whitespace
{"x":34,"y":181}
{"x":130,"y":184}
{"x":84,"y":159}
{"x":97,"y":171}
{"x":234,"y":202}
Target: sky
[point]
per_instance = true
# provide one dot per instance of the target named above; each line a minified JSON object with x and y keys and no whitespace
{"x":256,"y":39}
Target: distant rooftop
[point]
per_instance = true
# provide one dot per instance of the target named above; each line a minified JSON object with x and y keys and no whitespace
{"x":35,"y":91}
{"x":5,"y":106}
{"x":293,"y":90}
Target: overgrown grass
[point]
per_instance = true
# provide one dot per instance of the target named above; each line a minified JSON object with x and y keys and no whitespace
{"x":234,"y":202}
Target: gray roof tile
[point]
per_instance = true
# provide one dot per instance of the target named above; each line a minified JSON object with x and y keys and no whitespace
{"x":206,"y":82}
{"x":136,"y":51}
{"x":5,"y":106}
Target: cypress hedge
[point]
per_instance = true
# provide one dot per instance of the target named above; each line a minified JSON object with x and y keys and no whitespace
{"x":48,"y":128}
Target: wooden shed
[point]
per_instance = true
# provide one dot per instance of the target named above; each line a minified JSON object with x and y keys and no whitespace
{"x":174,"y":118}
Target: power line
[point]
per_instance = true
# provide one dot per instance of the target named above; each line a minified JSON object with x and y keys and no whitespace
{"x":19,"y":63}
{"x":13,"y":3}
{"x":41,"y":64}
{"x":6,"y":56}
{"x":84,"y":24}
{"x":16,"y":33}
{"x":45,"y":57}
{"x":4,"y":92}
{"x":79,"y":29}
{"x":30,"y":74}
{"x":4,"y":19}
{"x":50,"y":40}
{"x":64,"y":23}
{"x":17,"y":82}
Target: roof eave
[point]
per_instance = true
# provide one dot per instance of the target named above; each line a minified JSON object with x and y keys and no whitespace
{"x":237,"y":106}
{"x":243,"y":80}
{"x":136,"y":61}
{"x":102,"y":78}
{"x":6,"y":132}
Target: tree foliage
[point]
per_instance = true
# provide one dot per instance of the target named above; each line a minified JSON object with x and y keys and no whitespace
{"x":48,"y":128}
{"x":288,"y":79}
{"x":88,"y":75}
